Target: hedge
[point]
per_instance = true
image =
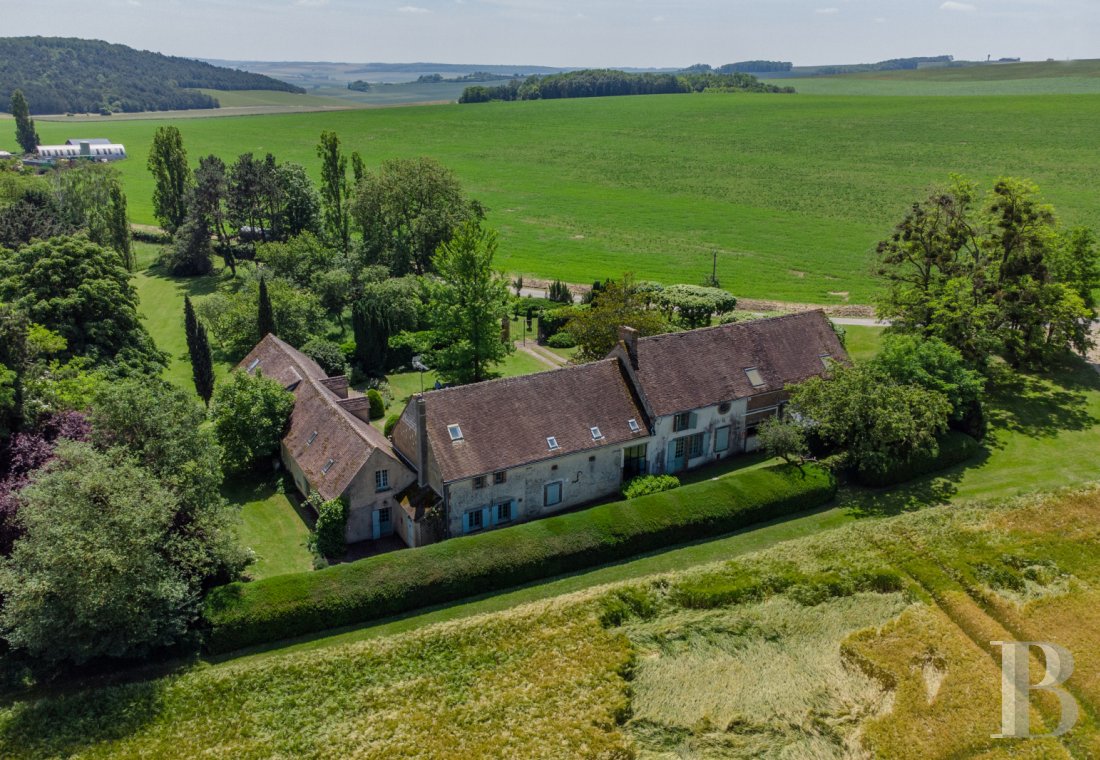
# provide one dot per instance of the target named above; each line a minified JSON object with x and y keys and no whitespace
{"x":954,"y":448}
{"x":245,"y":614}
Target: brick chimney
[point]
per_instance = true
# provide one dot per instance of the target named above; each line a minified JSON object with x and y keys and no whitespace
{"x":421,"y":442}
{"x":628,"y":336}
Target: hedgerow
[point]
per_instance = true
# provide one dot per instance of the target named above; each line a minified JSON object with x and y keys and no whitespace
{"x":240,"y":615}
{"x":954,"y":448}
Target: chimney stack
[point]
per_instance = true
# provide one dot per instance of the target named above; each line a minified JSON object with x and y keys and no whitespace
{"x":628,"y":336}
{"x":421,"y":442}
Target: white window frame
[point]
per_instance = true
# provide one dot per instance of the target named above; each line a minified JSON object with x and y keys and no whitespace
{"x":455,"y":432}
{"x":381,"y":480}
{"x":748,"y":374}
{"x":596,"y":434}
{"x":552,"y":442}
{"x":632,"y":423}
{"x":328,"y":466}
{"x":546,"y":493}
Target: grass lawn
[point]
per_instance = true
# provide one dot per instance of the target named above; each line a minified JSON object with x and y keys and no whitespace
{"x":793,"y":192}
{"x":272,"y":527}
{"x":862,"y":342}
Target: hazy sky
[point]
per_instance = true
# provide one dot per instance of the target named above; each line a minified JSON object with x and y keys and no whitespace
{"x":573,"y":32}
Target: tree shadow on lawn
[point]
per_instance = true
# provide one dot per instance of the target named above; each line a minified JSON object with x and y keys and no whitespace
{"x":934,"y":489}
{"x":1041,"y":406}
{"x":194,"y":285}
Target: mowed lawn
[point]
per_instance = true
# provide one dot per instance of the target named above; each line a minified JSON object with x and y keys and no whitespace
{"x":272,"y":527}
{"x":792,"y":192}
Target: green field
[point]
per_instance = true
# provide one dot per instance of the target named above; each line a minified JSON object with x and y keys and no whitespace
{"x":792,"y":192}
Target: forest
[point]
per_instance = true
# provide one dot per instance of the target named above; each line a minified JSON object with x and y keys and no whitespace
{"x":593,"y":83}
{"x":63,"y":75}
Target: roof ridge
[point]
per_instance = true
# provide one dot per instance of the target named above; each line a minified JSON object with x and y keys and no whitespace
{"x":498,"y":381}
{"x":733,"y":325}
{"x":333,"y":400}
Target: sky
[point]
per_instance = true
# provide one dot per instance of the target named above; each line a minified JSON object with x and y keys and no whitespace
{"x":634,"y":33}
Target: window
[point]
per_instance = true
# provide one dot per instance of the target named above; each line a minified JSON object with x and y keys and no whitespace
{"x":552,"y":493}
{"x":722,"y":439}
{"x":500,"y":477}
{"x":504,"y":512}
{"x":384,"y":517}
{"x":755,"y":378}
{"x":634,"y":461}
{"x":827,"y":361}
{"x":552,"y":442}
{"x":474,"y":521}
{"x":596,"y":434}
{"x":381,"y":480}
{"x":695,"y":446}
{"x":253,"y":364}
{"x":328,"y":466}
{"x":455,"y":432}
{"x":724,"y":407}
{"x":634,"y":426}
{"x":479,"y":481}
{"x":312,"y":438}
{"x":681,"y":422}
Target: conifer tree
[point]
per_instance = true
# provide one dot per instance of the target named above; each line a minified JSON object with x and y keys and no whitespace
{"x":118,"y":227}
{"x":198,"y":346}
{"x":265,"y":319}
{"x":25,"y":133}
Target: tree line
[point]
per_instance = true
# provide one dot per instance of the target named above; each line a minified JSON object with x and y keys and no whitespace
{"x":592,"y":83}
{"x":67,"y":75}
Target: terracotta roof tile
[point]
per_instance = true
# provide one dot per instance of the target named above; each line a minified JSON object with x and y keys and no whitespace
{"x":506,"y":423}
{"x":690,"y":370}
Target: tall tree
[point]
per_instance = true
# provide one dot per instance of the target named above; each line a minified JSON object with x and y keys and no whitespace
{"x":118,"y":227}
{"x":25,"y":133}
{"x":171,"y":175}
{"x":250,"y":414}
{"x":190,"y":251}
{"x":406,"y":209}
{"x":198,"y":348}
{"x":615,"y":304}
{"x":334,"y":191}
{"x":466,"y":306}
{"x":383,"y":309}
{"x":209,"y":201}
{"x":265,"y":315}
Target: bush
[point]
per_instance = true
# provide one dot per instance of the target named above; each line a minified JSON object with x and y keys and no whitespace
{"x":241,"y":615}
{"x":391,"y":423}
{"x":644,"y":485}
{"x":377,"y":404}
{"x":328,"y":354}
{"x":330,"y":532}
{"x":954,"y":448}
{"x":561,"y":340}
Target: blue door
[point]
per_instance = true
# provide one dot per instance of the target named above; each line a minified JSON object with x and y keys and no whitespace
{"x":677,"y":454}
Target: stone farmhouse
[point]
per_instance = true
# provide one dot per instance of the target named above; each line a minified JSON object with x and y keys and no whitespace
{"x":482,"y":456}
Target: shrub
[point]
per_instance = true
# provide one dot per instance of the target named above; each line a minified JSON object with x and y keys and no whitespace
{"x":954,"y":448}
{"x":377,"y":404}
{"x":330,"y":532}
{"x":328,"y":354}
{"x":391,"y":423}
{"x":241,"y":615}
{"x":561,"y":340}
{"x":644,"y":485}
{"x":250,"y":414}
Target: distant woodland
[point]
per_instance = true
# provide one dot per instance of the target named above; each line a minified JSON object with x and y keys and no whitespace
{"x":591,"y":83}
{"x":68,"y":75}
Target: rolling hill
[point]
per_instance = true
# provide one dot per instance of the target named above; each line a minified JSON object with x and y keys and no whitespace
{"x":69,"y":75}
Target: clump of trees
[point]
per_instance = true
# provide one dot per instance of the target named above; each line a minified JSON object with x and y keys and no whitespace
{"x":617,"y":303}
{"x":250,"y":415}
{"x":991,"y":274}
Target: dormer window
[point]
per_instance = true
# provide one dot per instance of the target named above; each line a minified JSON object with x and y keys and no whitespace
{"x":552,"y":443}
{"x":755,"y":378}
{"x":312,"y":438}
{"x":253,"y":364}
{"x":328,"y":466}
{"x":634,"y":426}
{"x":455,"y":432}
{"x":596,"y":434}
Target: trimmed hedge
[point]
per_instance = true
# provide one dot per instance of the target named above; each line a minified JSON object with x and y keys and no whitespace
{"x":955,"y":448}
{"x":244,"y":614}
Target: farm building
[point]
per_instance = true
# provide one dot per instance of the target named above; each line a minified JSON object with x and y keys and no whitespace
{"x":490,"y":454}
{"x":95,"y":149}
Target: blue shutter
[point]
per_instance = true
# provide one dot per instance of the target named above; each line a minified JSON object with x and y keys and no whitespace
{"x":486,"y":516}
{"x":492,"y":515}
{"x":376,"y":520}
{"x":706,"y":444}
{"x":466,"y":522}
{"x":670,"y":461}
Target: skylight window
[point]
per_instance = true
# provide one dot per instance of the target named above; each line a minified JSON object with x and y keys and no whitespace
{"x":312,"y":438}
{"x":552,"y":442}
{"x":253,"y":364}
{"x":328,"y":466}
{"x":634,"y":426}
{"x":455,"y":432}
{"x":596,"y":434}
{"x":755,"y":378}
{"x":827,"y":361}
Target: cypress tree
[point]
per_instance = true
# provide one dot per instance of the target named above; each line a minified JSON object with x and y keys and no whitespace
{"x":118,"y":231}
{"x":198,"y":346}
{"x":266,"y":317}
{"x":25,"y":133}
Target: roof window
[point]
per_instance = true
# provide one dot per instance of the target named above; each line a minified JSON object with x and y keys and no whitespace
{"x":455,"y":432}
{"x":328,"y":466}
{"x":634,"y":426}
{"x":312,"y":438}
{"x":552,"y":442}
{"x":253,"y":364}
{"x":596,"y":434}
{"x":755,"y":378}
{"x":827,"y":361}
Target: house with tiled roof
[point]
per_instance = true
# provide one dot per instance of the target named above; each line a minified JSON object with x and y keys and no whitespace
{"x":330,"y":446}
{"x":708,"y":390}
